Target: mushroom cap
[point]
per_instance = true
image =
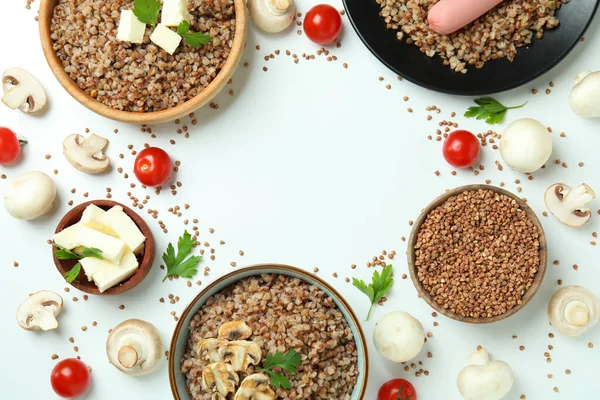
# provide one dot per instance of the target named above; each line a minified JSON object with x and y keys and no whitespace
{"x":234,"y":330}
{"x":85,"y":154}
{"x":135,"y":340}
{"x":255,"y":387}
{"x":490,"y":381}
{"x":39,"y":311}
{"x":30,"y":195}
{"x":219,"y":377}
{"x":585,"y":95}
{"x":526,"y":145}
{"x":240,"y":354}
{"x":208,"y":349}
{"x":22,"y":91}
{"x":398,"y":336}
{"x":569,"y":205}
{"x":568,"y":307}
{"x":272,"y":16}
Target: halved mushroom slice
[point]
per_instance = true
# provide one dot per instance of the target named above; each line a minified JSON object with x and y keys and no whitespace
{"x":234,"y":330}
{"x":569,"y":205}
{"x":219,"y":378}
{"x":240,"y":354}
{"x":39,"y":311}
{"x":255,"y":387}
{"x":134,"y":347}
{"x":22,"y":91}
{"x":208,"y":349}
{"x":86,"y":154}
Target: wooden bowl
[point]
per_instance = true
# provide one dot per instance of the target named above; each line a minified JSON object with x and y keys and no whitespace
{"x":537,"y":281}
{"x":202,"y":98}
{"x":145,"y":259}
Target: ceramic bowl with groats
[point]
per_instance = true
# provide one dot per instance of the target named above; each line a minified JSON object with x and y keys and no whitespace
{"x":179,"y":341}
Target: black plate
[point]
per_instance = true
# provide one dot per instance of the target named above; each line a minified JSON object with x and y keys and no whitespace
{"x":495,"y":76}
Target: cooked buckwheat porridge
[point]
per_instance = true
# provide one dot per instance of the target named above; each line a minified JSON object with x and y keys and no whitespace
{"x":284,"y":314}
{"x":139,"y":77}
{"x":496,"y":34}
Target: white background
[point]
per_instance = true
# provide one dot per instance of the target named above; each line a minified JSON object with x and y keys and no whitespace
{"x":311,"y":165}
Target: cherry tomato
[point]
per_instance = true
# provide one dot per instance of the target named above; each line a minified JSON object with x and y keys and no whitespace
{"x":461,"y":149}
{"x":153,"y":167}
{"x":70,"y":378}
{"x":322,"y":24}
{"x":397,"y":389}
{"x":10,"y":148}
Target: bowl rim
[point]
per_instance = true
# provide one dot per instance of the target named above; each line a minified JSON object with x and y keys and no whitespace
{"x":145,"y":264}
{"x":529,"y":294}
{"x":281,"y":268}
{"x":46,"y":11}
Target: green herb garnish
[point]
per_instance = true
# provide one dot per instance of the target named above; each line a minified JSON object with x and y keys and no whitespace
{"x":382,"y":283}
{"x":489,"y":109}
{"x":63,"y":253}
{"x":289,"y":362}
{"x":178,"y":265}
{"x":147,"y":11}
{"x":194,"y":39}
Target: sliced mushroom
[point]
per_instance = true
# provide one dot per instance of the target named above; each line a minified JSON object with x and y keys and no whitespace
{"x":255,"y":387}
{"x":39,"y":311}
{"x":86,"y":154}
{"x":569,"y":205}
{"x":134,"y":347}
{"x":235,"y":330}
{"x":22,"y":91}
{"x":573,"y":309}
{"x":208,"y":349}
{"x":219,"y":377}
{"x":272,"y":16}
{"x":240,"y":354}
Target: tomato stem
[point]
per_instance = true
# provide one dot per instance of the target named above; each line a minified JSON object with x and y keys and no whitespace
{"x":23,"y":142}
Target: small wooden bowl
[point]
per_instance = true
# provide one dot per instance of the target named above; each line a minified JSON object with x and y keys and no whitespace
{"x":537,"y":281}
{"x":157,"y":117}
{"x":146,"y":259}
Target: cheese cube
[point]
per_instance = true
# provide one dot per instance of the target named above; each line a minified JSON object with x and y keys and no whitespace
{"x":131,"y":29}
{"x":173,"y":12}
{"x":112,"y":248}
{"x":124,"y":227}
{"x":111,"y":274}
{"x":165,"y":38}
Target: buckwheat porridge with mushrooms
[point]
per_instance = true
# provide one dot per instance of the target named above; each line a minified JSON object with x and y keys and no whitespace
{"x":139,"y":77}
{"x":497,"y":34}
{"x":282,"y":314}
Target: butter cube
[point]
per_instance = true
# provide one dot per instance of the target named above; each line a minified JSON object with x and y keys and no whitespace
{"x":173,"y":12}
{"x":165,"y":38}
{"x":125,"y":228}
{"x":131,"y":29}
{"x":111,"y":274}
{"x":91,"y":213}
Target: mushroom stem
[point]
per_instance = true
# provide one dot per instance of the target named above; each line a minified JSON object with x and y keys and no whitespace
{"x":481,"y":357}
{"x":577,"y":313}
{"x":45,"y":319}
{"x":580,"y":76}
{"x":578,"y":197}
{"x":129,"y":355}
{"x":278,"y":7}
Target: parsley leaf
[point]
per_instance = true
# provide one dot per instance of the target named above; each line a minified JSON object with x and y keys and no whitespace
{"x":177,"y":265}
{"x":92,"y":252}
{"x":62,"y":253}
{"x":194,"y":39}
{"x":381,"y":284}
{"x":147,"y":11}
{"x":289,"y":362}
{"x":489,"y":109}
{"x":72,"y":274}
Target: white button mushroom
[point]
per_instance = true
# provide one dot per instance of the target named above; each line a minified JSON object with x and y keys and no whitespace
{"x":585,"y":95}
{"x":134,"y":347}
{"x":39,"y":311}
{"x":568,"y":205}
{"x":398,"y":336}
{"x":30,"y":195}
{"x":483,"y":379}
{"x":272,"y":16}
{"x":526,"y":145}
{"x":22,"y":91}
{"x":573,"y":309}
{"x":85,"y":154}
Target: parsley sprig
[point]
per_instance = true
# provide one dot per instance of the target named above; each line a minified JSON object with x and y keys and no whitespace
{"x":381,"y":284}
{"x":62,"y":253}
{"x":289,"y":362}
{"x":489,"y":109}
{"x":177,"y":264}
{"x":147,"y":11}
{"x":194,"y":39}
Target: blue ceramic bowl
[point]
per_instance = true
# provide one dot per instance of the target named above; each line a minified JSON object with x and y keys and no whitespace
{"x":179,"y":340}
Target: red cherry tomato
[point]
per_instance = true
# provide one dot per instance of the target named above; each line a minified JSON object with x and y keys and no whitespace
{"x":153,"y":167}
{"x":10,"y":148}
{"x":70,"y":378}
{"x":322,"y":24}
{"x":461,"y":149}
{"x":397,"y":389}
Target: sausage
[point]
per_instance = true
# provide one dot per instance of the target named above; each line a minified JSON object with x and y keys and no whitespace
{"x":448,"y":16}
